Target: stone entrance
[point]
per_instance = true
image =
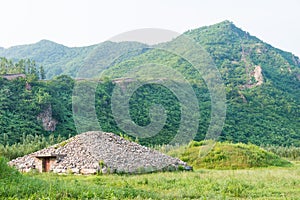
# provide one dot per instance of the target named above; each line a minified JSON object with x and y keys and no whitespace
{"x":44,"y":163}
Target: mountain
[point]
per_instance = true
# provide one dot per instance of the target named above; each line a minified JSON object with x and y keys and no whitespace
{"x":262,"y":85}
{"x":231,"y":47}
{"x":58,"y":59}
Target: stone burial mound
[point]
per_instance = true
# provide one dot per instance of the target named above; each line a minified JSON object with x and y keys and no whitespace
{"x":98,"y":152}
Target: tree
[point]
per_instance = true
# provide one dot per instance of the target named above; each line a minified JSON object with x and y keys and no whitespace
{"x":42,"y":73}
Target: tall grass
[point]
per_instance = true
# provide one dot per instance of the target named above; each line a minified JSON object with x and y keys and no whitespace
{"x":266,"y":183}
{"x":291,"y":152}
{"x":14,"y":185}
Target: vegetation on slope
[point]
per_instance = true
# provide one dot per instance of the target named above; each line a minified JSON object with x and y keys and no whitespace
{"x":20,"y":107}
{"x":261,"y":114}
{"x":264,"y":114}
{"x":227,"y":156}
{"x":58,"y":59}
{"x":28,"y":67}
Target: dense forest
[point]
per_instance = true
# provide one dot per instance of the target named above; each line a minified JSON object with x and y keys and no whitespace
{"x":261,"y":113}
{"x":265,"y":113}
{"x":246,"y":122}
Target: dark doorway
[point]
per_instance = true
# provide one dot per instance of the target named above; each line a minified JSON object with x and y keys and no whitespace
{"x":46,"y":164}
{"x":45,"y":161}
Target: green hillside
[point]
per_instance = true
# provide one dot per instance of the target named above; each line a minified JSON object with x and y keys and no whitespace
{"x":270,"y":110}
{"x":58,"y":59}
{"x":258,"y":111}
{"x":20,"y":108}
{"x":262,"y":86}
{"x":227,"y":156}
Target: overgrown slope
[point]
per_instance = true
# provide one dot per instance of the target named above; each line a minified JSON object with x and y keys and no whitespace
{"x":58,"y":59}
{"x":228,"y":156}
{"x":262,"y":88}
{"x":262,"y":84}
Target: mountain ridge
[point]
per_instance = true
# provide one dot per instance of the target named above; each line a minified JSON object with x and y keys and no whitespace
{"x":262,"y":83}
{"x":262,"y":86}
{"x":60,"y":59}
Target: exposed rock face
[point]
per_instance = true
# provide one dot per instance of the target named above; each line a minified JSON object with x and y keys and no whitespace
{"x":49,"y":123}
{"x":258,"y":75}
{"x":92,"y":152}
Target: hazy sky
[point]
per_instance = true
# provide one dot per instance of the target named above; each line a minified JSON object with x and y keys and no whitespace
{"x":85,"y":22}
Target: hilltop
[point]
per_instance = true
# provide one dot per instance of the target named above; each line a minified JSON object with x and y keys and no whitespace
{"x":59,"y":59}
{"x":262,"y":84}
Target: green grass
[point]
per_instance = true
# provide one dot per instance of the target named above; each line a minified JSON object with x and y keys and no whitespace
{"x":227,"y":156}
{"x":262,"y":183}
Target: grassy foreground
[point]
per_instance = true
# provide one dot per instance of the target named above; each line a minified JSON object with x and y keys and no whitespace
{"x":264,"y":183}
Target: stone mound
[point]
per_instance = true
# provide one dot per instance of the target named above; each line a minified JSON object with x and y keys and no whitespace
{"x":92,"y":152}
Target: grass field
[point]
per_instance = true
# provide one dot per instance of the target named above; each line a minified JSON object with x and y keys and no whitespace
{"x":262,"y":183}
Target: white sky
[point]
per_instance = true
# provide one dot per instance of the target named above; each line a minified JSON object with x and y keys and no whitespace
{"x":85,"y":22}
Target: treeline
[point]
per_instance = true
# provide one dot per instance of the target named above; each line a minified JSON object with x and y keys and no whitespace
{"x":23,"y":66}
{"x":28,"y":144}
{"x":290,"y":152}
